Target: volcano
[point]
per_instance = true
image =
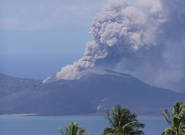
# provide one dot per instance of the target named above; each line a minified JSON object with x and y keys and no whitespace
{"x":91,"y":94}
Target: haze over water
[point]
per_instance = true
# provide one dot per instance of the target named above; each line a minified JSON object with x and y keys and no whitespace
{"x":48,"y":125}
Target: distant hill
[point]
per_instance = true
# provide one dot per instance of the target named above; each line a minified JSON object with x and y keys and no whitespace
{"x":88,"y":95}
{"x":11,"y":85}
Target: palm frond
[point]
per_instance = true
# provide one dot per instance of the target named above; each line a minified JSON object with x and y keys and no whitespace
{"x":122,"y":122}
{"x":177,"y":108}
{"x":108,"y":131}
{"x":133,"y":124}
{"x":166,"y":116}
{"x":176,"y":120}
{"x":72,"y":129}
{"x":136,"y":132}
{"x":168,"y":131}
{"x":108,"y":117}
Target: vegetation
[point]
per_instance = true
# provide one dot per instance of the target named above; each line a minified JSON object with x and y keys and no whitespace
{"x":73,"y":129}
{"x":122,"y":122}
{"x":176,"y":120}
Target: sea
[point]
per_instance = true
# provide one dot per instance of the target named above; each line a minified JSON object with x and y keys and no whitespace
{"x":51,"y":125}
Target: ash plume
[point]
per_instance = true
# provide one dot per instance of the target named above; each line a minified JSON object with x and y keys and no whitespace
{"x":144,"y":38}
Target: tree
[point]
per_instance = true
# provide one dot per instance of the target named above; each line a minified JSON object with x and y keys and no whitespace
{"x":73,"y":129}
{"x":122,"y":122}
{"x":176,"y":120}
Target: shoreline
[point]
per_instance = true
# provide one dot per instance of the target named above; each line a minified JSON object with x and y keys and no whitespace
{"x":75,"y":115}
{"x":20,"y":115}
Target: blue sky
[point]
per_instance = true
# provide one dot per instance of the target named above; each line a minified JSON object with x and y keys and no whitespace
{"x":38,"y":37}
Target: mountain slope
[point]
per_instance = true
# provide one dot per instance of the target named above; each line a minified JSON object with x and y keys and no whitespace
{"x":90,"y":94}
{"x":11,"y":85}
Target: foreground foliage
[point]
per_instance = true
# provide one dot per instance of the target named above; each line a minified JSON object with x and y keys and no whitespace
{"x":73,"y":129}
{"x":176,"y":120}
{"x":122,"y":122}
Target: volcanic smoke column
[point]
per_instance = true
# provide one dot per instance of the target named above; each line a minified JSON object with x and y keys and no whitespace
{"x":144,"y":38}
{"x":119,"y":31}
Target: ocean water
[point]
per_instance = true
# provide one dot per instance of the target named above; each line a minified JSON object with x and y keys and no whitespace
{"x":47,"y":125}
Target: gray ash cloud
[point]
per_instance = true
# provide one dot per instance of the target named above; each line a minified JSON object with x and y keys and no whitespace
{"x":145,"y":38}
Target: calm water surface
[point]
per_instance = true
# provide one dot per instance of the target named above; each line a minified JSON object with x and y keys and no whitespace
{"x":45,"y":125}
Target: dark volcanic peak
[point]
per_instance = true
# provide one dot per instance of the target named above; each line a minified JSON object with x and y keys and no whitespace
{"x":106,"y":72}
{"x":89,"y":94}
{"x":89,"y":73}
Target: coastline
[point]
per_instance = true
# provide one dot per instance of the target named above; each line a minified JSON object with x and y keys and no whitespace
{"x":70,"y":115}
{"x":23,"y":114}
